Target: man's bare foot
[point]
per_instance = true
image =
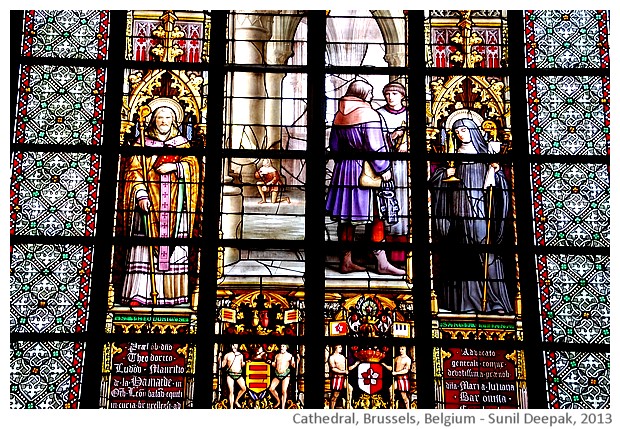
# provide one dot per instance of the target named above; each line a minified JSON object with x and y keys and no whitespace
{"x":384,"y":266}
{"x":262,"y":202}
{"x":350,"y":267}
{"x":237,"y":405}
{"x":390,"y":269}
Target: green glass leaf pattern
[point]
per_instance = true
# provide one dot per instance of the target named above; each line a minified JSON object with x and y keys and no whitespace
{"x":37,"y":192}
{"x":581,"y":380}
{"x":41,"y":374}
{"x":570,"y":114}
{"x":579,"y":285}
{"x":68,"y":34}
{"x":52,"y":276}
{"x":569,"y":216}
{"x":564,"y":39}
{"x":66,"y":108}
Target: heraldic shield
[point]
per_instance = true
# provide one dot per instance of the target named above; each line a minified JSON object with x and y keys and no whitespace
{"x":370,"y":377}
{"x":257,"y":377}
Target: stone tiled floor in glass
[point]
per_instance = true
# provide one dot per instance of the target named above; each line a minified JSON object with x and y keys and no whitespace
{"x":286,"y":267}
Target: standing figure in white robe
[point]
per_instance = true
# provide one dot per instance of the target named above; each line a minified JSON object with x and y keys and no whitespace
{"x":394,"y":115}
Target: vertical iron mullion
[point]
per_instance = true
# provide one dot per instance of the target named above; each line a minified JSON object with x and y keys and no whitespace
{"x":204,"y":338}
{"x":419,"y":210}
{"x":314,"y":277}
{"x":532,"y":330}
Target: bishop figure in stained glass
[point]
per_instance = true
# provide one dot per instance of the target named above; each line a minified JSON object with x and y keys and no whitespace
{"x":160,"y":196}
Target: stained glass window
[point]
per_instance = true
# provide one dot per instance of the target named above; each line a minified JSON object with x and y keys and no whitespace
{"x":578,"y":380}
{"x":261,"y":288}
{"x":369,"y":315}
{"x":484,"y":41}
{"x":60,"y":105}
{"x":263,"y":193}
{"x":151,"y":98}
{"x":378,"y":376}
{"x":138,"y":375}
{"x":575,"y":298}
{"x":571,"y":204}
{"x":54,"y":194}
{"x":66,"y":34}
{"x":365,"y":376}
{"x":310,"y":209}
{"x":54,"y":201}
{"x":569,"y":115}
{"x":265,"y":112}
{"x":378,"y":39}
{"x":246,"y":311}
{"x":366,"y":38}
{"x":261,"y":375}
{"x":190,"y":29}
{"x":155,"y":265}
{"x":368,"y":307}
{"x":265,"y":37}
{"x":351,"y":213}
{"x":50,"y":286}
{"x":46,"y":374}
{"x":474,"y":378}
{"x":567,"y":38}
{"x":466,"y":196}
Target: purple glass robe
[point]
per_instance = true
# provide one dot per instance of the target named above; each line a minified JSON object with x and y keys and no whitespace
{"x":346,"y":201}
